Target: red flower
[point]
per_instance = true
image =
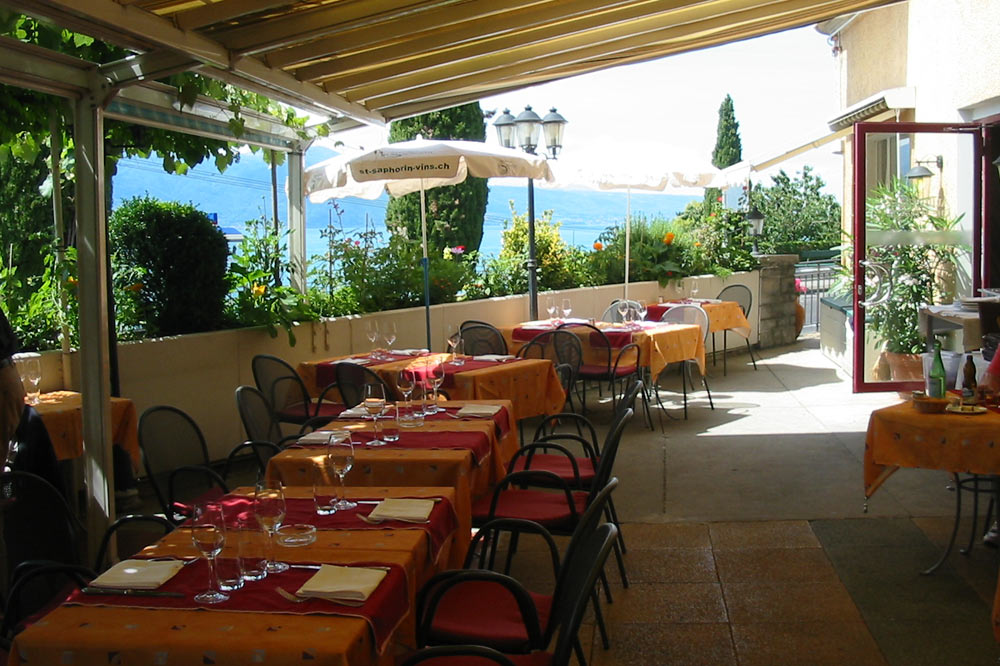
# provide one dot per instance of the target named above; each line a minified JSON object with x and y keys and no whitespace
{"x":357,"y":243}
{"x":719,"y":199}
{"x":598,"y":245}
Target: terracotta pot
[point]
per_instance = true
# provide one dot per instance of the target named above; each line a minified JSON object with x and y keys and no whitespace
{"x":903,"y":367}
{"x":800,"y":318}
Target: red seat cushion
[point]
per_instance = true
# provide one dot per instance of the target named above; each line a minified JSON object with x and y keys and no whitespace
{"x":546,"y":508}
{"x":485,"y":613}
{"x":558,"y":465}
{"x":533,"y":659}
{"x":601,"y":371}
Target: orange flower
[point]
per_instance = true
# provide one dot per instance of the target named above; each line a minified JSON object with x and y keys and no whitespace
{"x":598,"y":245}
{"x":258,"y":290}
{"x":668,"y":238}
{"x":71,"y":281}
{"x":697,"y":244}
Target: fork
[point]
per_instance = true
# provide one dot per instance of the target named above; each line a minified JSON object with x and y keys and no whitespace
{"x":288,"y":596}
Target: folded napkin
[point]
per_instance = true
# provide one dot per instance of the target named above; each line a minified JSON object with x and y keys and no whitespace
{"x":408,"y":510}
{"x":479,"y":410}
{"x":354,"y":412}
{"x":705,"y":300}
{"x":317,"y":437}
{"x":493,"y":357}
{"x":356,"y":361}
{"x":138,"y":574}
{"x":335,"y":583}
{"x":410,"y":352}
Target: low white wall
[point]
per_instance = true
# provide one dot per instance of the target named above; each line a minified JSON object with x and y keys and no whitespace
{"x":199,"y":373}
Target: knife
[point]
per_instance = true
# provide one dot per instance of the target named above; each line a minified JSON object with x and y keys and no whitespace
{"x":130,"y":592}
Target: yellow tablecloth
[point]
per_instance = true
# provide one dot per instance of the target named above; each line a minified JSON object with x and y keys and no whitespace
{"x":62,"y":413}
{"x":92,"y":635}
{"x":900,"y":436}
{"x":531,"y":385}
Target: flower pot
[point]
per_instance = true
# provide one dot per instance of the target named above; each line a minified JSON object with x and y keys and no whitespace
{"x":800,"y":318}
{"x":904,"y":367}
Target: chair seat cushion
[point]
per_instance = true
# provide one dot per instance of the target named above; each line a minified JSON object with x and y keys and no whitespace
{"x":558,"y":465}
{"x":532,"y":659}
{"x":547,"y":508}
{"x":601,"y":371}
{"x":485,"y":613}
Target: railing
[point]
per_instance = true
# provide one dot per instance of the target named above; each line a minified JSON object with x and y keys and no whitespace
{"x":817,"y":277}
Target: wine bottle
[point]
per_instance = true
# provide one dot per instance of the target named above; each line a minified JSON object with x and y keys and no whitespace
{"x":969,"y":374}
{"x":936,"y":377}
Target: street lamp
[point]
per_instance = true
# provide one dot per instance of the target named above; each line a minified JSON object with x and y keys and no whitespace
{"x":525,"y":130}
{"x":756,"y":221}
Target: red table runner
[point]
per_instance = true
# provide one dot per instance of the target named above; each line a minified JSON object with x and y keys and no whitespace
{"x":441,"y":523}
{"x":326,"y":372}
{"x":501,"y":419}
{"x":477,"y":442}
{"x":450,"y":369}
{"x":384,"y":609}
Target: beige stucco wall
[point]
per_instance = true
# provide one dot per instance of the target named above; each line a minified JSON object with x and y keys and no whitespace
{"x":874,"y":53}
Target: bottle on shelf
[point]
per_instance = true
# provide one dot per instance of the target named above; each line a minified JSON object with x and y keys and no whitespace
{"x":936,"y":378}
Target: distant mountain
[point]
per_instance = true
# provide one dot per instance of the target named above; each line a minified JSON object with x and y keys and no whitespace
{"x":243,"y":193}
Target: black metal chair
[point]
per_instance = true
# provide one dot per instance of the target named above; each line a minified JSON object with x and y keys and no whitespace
{"x":482,"y":338}
{"x":351,"y":378}
{"x":288,"y":394}
{"x":613,"y":367}
{"x":133,"y":532}
{"x":38,"y":586}
{"x":742,"y":295}
{"x":259,"y":421}
{"x":175,"y":457}
{"x":687,"y":314}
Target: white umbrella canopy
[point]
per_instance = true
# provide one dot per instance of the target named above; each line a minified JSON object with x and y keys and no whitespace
{"x":415,"y":166}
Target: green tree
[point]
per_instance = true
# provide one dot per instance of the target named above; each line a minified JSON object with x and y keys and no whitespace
{"x":454,"y":213}
{"x":728,"y":150}
{"x":797,"y":215}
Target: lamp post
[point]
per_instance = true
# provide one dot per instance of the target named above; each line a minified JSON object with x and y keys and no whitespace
{"x":756,"y":221}
{"x":525,"y":129}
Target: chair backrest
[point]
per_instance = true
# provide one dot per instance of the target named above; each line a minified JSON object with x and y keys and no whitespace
{"x":612,"y":314}
{"x":134,"y":533}
{"x":351,"y":380}
{"x":33,"y":450}
{"x":568,"y":349}
{"x":539,"y":346}
{"x":482,"y":549}
{"x":277,"y":380}
{"x":687,"y":314}
{"x":609,"y":451}
{"x":38,"y":524}
{"x":38,"y":587}
{"x":257,"y":415}
{"x":599,"y":342}
{"x":169,"y":439}
{"x":482,"y":339}
{"x":579,"y":575}
{"x":628,"y":398}
{"x":739,"y":293}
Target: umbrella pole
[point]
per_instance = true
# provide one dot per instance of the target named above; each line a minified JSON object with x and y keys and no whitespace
{"x":426,"y":264}
{"x":628,"y":234}
{"x":532,"y":263}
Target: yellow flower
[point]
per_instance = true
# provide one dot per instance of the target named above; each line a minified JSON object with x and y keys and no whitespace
{"x":598,"y":245}
{"x":668,"y":238}
{"x":71,"y":281}
{"x":697,"y":244}
{"x":258,"y":290}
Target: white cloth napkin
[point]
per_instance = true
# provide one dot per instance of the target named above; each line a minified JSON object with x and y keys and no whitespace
{"x":355,"y":361}
{"x":493,"y":357}
{"x":336,"y":583}
{"x":354,"y":412}
{"x":408,"y":510}
{"x":410,"y":352}
{"x":478,"y":410}
{"x":138,"y":574}
{"x":316,"y":437}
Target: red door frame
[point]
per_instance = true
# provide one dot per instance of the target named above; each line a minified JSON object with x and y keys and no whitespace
{"x":861,"y":132}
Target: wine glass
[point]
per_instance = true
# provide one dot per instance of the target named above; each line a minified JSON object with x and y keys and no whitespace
{"x":622,"y":307}
{"x":454,"y":335}
{"x":340,"y":460}
{"x":567,"y":308}
{"x":435,"y":373}
{"x":371,"y":332}
{"x":550,"y":307}
{"x":374,"y":404}
{"x":208,"y":534}
{"x":643,"y":310}
{"x":404,"y":382}
{"x":389,"y":335}
{"x":30,"y":369}
{"x":269,"y":510}
{"x":694,"y":290}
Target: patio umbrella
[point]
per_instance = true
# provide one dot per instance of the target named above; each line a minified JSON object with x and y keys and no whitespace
{"x":415,"y":166}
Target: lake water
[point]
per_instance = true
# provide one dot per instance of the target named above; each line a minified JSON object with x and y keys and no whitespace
{"x":243,"y":193}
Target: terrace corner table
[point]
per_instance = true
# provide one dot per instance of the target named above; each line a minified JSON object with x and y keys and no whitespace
{"x":62,"y":414}
{"x":531,"y":385}
{"x":722,"y":315}
{"x":900,"y":436}
{"x":99,"y":635}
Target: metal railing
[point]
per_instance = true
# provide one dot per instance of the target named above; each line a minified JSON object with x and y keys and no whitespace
{"x":817,"y":277}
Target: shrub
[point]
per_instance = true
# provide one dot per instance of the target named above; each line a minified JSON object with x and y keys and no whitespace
{"x":169,"y":267}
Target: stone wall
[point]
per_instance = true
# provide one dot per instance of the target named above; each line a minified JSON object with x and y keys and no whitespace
{"x":777,"y":300}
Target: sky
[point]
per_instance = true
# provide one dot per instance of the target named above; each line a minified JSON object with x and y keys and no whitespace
{"x":663,"y":114}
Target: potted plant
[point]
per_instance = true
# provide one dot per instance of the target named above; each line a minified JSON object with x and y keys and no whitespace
{"x":913,"y":267}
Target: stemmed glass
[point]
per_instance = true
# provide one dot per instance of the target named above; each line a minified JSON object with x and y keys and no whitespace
{"x":694,"y":290}
{"x":550,"y":307}
{"x":643,"y":310}
{"x":404,"y":382}
{"x":389,"y":335}
{"x":208,"y":534}
{"x":371,"y":332}
{"x":375,"y":404}
{"x":622,"y":307}
{"x":269,"y":510}
{"x":340,"y":458}
{"x":567,"y":308}
{"x":30,"y":369}
{"x":435,"y":375}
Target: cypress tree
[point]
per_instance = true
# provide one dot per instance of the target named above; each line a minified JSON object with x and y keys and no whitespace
{"x":728,"y":150}
{"x":454,"y":213}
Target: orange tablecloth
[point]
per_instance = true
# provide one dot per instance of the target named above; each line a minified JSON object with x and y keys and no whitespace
{"x":658,"y":347}
{"x":726,"y":315}
{"x":900,"y":436}
{"x":62,"y":413}
{"x":87,"y":635}
{"x":531,"y":385}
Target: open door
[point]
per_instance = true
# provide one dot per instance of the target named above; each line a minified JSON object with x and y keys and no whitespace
{"x":918,"y":241}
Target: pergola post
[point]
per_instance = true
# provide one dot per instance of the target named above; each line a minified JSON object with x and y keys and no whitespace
{"x":297,"y":219}
{"x":95,"y":379}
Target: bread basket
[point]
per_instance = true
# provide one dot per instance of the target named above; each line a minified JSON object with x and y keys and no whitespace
{"x":927,"y":405}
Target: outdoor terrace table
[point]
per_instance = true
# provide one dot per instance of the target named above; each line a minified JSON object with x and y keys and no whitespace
{"x":62,"y":414}
{"x":398,"y":464}
{"x":659,"y":344}
{"x":722,"y":315}
{"x":900,"y":436}
{"x":102,"y":634}
{"x":531,"y":385}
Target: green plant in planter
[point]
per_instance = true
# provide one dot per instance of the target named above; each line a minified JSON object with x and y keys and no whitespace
{"x":913,"y":264}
